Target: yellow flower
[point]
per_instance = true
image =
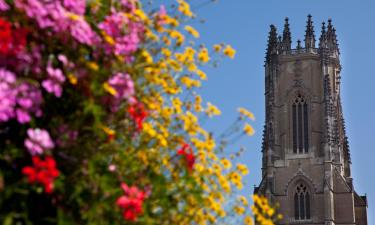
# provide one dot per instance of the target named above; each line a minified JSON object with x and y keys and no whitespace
{"x":177,"y":36}
{"x":166,"y":52}
{"x":108,"y":39}
{"x":239,"y":210}
{"x":147,"y":56}
{"x":242,"y":169}
{"x":108,"y":131}
{"x":190,"y":83}
{"x":184,"y":8}
{"x":229,"y":51}
{"x":203,"y":55}
{"x":93,"y":66}
{"x":148,"y":129}
{"x":246,"y":113}
{"x":226,"y":163}
{"x":72,"y":79}
{"x":249,"y":130}
{"x":217,"y":48}
{"x":243,"y":200}
{"x":201,"y":74}
{"x":248,"y":220}
{"x":192,"y":31}
{"x":108,"y":88}
{"x":212,"y":110}
{"x":177,"y":105}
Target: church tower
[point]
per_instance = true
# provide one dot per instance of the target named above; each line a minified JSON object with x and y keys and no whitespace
{"x":306,"y":158}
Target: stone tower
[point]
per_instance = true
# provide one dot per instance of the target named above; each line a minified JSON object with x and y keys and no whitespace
{"x":306,"y":158}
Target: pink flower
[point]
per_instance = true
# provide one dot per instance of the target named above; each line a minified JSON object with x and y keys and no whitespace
{"x":29,"y":99}
{"x":38,"y":141}
{"x":7,"y":95}
{"x":131,"y":202}
{"x":3,"y":6}
{"x":126,"y":34}
{"x":55,"y":80}
{"x":123,"y":84}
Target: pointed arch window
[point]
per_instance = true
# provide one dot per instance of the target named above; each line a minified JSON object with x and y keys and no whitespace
{"x":300,"y":125}
{"x":301,"y":203}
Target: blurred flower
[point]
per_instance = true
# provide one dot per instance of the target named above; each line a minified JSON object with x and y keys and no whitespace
{"x":43,"y":172}
{"x":138,"y":113}
{"x":29,"y":99}
{"x":3,"y":6}
{"x":229,"y":51}
{"x":38,"y":141}
{"x":55,"y":79}
{"x":7,"y":95}
{"x":187,"y":152}
{"x":131,"y":202}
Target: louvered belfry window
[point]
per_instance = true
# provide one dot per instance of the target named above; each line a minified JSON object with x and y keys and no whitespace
{"x":300,"y":125}
{"x":301,"y":203}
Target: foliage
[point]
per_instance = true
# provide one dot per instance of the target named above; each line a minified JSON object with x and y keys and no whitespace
{"x":100,"y":118}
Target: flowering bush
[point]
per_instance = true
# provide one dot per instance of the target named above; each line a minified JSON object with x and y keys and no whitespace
{"x":93,"y":128}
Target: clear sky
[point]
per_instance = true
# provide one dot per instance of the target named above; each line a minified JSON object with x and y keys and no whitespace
{"x":245,"y":24}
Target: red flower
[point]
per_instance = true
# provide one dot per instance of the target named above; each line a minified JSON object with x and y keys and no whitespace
{"x":138,"y":114}
{"x":187,"y":152}
{"x":11,"y":41}
{"x":131,"y":202}
{"x":43,"y":172}
{"x":5,"y":36}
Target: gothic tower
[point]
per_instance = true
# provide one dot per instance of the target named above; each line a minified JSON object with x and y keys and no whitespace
{"x":306,"y":158}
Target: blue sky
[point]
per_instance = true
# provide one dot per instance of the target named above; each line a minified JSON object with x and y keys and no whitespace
{"x":245,"y":25}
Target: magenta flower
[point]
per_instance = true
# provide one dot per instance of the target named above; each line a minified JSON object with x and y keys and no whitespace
{"x":124,"y":86}
{"x":38,"y":141}
{"x":29,"y":99}
{"x":7,"y":95}
{"x":3,"y":6}
{"x":55,"y":79}
{"x":75,"y":6}
{"x":60,"y":16}
{"x":126,"y":34}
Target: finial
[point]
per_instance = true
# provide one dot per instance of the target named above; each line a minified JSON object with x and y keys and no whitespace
{"x":309,"y":36}
{"x":287,"y":39}
{"x":272,"y":42}
{"x":323,"y":36}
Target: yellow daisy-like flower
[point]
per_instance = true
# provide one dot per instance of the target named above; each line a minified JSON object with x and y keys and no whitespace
{"x":246,"y":113}
{"x":249,"y":130}
{"x":108,"y":88}
{"x":201,"y":74}
{"x":229,"y":51}
{"x":239,"y":210}
{"x":242,"y":169}
{"x":217,"y":48}
{"x":203,"y":55}
{"x":226,"y":163}
{"x":243,"y":200}
{"x":184,"y":8}
{"x":191,"y":30}
{"x":72,"y":79}
{"x":212,"y":110}
{"x":248,"y":220}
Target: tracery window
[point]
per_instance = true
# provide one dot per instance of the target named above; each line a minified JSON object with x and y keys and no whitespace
{"x":301,"y":203}
{"x":300,"y":125}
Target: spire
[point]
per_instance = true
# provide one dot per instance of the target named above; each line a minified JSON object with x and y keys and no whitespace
{"x":309,"y":36}
{"x":287,"y":39}
{"x":272,"y":43}
{"x":299,"y":44}
{"x":323,"y":37}
{"x":331,"y":37}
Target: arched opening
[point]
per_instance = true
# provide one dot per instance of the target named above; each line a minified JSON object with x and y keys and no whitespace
{"x":300,"y":121}
{"x":301,"y":202}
